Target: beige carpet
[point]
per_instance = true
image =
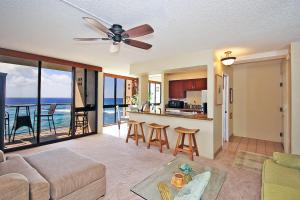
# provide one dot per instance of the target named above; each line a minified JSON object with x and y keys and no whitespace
{"x":128,"y":164}
{"x":249,"y":160}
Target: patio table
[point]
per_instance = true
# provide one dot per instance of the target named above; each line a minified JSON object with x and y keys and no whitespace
{"x":21,"y":119}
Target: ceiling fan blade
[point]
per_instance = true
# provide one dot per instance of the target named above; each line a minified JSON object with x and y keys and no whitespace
{"x":95,"y":23}
{"x":138,"y":31}
{"x":138,"y":44}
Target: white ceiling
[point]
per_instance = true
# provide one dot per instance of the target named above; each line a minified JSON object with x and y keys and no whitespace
{"x":48,"y":26}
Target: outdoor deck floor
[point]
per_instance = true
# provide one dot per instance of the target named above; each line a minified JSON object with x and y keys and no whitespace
{"x":25,"y":139}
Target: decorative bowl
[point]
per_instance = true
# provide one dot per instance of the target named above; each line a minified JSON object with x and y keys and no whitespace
{"x":185,"y":168}
{"x":178,"y":180}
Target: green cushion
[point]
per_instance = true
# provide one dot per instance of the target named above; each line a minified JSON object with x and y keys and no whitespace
{"x":279,"y":192}
{"x":288,"y":160}
{"x":280,"y":175}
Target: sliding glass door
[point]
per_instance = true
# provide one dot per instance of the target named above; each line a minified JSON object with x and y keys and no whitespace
{"x":21,"y":102}
{"x":85,"y":109}
{"x":114,"y":99}
{"x":47,"y":102}
{"x":56,"y":102}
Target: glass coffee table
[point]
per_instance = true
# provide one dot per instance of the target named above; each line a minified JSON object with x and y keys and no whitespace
{"x":148,"y":190}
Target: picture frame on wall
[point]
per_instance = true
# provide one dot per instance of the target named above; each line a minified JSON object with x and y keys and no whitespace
{"x":219,"y":89}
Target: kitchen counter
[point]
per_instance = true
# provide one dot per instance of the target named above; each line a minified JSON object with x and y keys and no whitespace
{"x":186,"y":115}
{"x":204,"y":138}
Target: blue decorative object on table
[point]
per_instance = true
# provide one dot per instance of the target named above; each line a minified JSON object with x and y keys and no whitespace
{"x":185,"y":168}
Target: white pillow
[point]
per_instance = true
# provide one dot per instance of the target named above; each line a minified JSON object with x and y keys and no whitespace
{"x":195,"y":188}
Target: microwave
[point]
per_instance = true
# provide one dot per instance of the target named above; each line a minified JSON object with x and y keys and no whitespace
{"x":176,"y":104}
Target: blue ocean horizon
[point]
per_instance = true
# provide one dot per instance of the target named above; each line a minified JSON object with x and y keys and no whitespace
{"x":62,"y":115}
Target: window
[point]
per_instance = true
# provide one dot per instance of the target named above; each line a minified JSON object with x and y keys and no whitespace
{"x":46,"y":102}
{"x":155,"y":93}
{"x":117,"y":94}
{"x":114,"y":99}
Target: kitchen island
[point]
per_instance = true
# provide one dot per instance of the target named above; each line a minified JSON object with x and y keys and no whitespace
{"x":204,"y":137}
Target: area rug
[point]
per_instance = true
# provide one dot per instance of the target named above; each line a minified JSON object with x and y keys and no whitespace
{"x":249,"y":160}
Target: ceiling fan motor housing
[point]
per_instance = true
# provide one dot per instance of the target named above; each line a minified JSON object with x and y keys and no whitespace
{"x":117,"y":30}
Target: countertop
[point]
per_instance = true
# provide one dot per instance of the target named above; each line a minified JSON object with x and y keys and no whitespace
{"x":196,"y":116}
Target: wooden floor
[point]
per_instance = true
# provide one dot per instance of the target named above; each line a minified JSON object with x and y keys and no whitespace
{"x":236,"y":144}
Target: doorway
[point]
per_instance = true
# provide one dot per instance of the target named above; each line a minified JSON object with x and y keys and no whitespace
{"x":225,"y":109}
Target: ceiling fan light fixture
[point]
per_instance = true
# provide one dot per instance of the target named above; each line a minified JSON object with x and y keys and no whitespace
{"x":114,"y":47}
{"x":228,"y":60}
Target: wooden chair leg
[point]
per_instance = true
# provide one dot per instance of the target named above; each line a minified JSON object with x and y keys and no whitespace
{"x":182,"y":139}
{"x":128,"y":133}
{"x":191,"y":147}
{"x":166,"y":138}
{"x":136,"y":134}
{"x":195,"y":145}
{"x":150,"y":137}
{"x":143,"y":135}
{"x":177,"y":144}
{"x":159,"y":139}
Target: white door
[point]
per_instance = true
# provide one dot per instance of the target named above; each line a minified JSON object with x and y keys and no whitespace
{"x":225,"y":109}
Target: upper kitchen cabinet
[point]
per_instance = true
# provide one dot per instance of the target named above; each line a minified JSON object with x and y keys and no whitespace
{"x":178,"y":88}
{"x":200,"y":84}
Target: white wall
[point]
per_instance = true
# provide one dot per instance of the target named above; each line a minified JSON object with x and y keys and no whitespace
{"x":257,"y":100}
{"x":295,"y":100}
{"x":286,"y":104}
{"x":143,"y":89}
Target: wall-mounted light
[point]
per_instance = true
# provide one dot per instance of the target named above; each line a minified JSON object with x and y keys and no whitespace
{"x":228,"y":59}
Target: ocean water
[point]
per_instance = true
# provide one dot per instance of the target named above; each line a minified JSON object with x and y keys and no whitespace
{"x":62,"y":115}
{"x":109,"y":114}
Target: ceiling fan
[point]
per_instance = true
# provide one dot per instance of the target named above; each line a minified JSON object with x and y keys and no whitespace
{"x":117,"y":34}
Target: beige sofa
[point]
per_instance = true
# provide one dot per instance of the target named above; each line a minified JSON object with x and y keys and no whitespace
{"x":56,"y":174}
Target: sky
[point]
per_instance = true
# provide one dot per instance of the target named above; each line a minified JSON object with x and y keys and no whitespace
{"x":22,"y":82}
{"x":109,"y":87}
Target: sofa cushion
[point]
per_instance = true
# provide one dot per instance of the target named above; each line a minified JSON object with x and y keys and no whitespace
{"x":39,"y":187}
{"x":280,"y":175}
{"x":279,"y":192}
{"x":288,"y":160}
{"x":65,"y":170}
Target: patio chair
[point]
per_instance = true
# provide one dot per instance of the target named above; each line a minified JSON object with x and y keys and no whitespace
{"x":48,"y":116}
{"x":120,"y":118}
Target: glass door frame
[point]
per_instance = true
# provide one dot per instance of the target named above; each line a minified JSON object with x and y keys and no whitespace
{"x":40,"y":59}
{"x":124,"y":105}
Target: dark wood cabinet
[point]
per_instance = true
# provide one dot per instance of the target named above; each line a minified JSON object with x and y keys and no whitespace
{"x":178,"y":88}
{"x":200,"y":84}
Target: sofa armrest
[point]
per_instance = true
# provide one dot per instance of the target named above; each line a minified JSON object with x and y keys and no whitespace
{"x":14,"y":186}
{"x":2,"y":156}
{"x":287,"y":160}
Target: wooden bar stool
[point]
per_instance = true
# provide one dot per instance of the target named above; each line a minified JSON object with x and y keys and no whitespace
{"x":157,"y":140}
{"x":191,"y":147}
{"x":135,"y":136}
